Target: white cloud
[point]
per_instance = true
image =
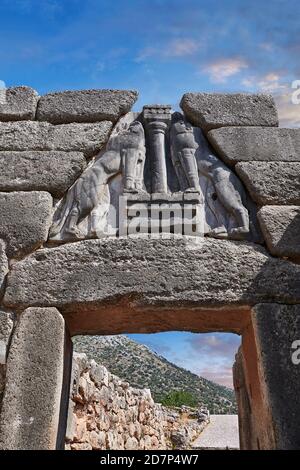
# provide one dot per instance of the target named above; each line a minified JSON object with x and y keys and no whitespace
{"x":2,"y":84}
{"x":221,"y":375}
{"x":146,"y":53}
{"x":249,"y":82}
{"x":289,"y":113}
{"x":181,"y":47}
{"x":216,"y":346}
{"x":175,"y":48}
{"x":220,"y":70}
{"x":268,"y":83}
{"x":272,"y":77}
{"x":266,"y":46}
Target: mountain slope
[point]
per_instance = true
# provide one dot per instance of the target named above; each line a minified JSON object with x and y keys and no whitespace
{"x":143,"y":368}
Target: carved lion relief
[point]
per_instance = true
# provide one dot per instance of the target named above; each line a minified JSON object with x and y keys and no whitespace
{"x":154,"y":158}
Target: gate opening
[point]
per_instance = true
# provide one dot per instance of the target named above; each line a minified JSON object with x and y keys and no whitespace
{"x":153,"y":391}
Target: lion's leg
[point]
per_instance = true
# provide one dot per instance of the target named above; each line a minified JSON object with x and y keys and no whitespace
{"x":242,"y":217}
{"x":129,"y":164}
{"x":94,"y":220}
{"x":189,"y":164}
{"x":231,"y":199}
{"x":140,"y":171}
{"x":180,"y":173}
{"x":71,"y":226}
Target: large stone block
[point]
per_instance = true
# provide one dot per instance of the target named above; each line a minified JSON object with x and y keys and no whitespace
{"x":25,"y":218}
{"x":271,"y":182}
{"x":83,"y":277}
{"x":281,"y":229}
{"x":244,"y":144}
{"x":35,"y":367}
{"x":85,"y":106}
{"x":213,"y":110}
{"x":51,"y":171}
{"x":21,"y":136}
{"x":18,"y":103}
{"x":3,"y":266}
{"x":86,"y":138}
{"x":277,"y":327}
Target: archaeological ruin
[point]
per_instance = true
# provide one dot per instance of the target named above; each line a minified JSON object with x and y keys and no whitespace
{"x":114,"y":221}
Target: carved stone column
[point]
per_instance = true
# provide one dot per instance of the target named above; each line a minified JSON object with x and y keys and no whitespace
{"x":157,"y":119}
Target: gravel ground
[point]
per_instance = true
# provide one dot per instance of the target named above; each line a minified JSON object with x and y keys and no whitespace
{"x":221,"y":433}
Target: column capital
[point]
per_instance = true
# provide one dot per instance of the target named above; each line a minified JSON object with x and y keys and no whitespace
{"x":157,"y":113}
{"x":157,"y":127}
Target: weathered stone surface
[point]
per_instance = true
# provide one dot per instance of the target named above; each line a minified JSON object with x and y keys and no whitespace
{"x":85,"y":105}
{"x":257,"y":423}
{"x":86,"y":138}
{"x":131,"y":444}
{"x":31,"y":403}
{"x":25,"y":218}
{"x":109,"y":421}
{"x":3,"y":266}
{"x":6,"y":327}
{"x":276,"y":328}
{"x":213,"y":110}
{"x":21,"y":136}
{"x":18,"y":103}
{"x":81,"y":278}
{"x":244,"y":144}
{"x":48,"y":171}
{"x":271,"y":182}
{"x":281,"y":229}
{"x":180,"y":438}
{"x":243,"y":401}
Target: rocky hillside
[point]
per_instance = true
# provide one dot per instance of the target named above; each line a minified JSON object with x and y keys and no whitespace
{"x":143,"y":368}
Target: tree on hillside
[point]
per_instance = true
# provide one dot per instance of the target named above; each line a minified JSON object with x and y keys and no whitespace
{"x":179,"y":398}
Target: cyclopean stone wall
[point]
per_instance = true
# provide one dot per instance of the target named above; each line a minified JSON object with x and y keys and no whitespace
{"x":105,"y":412}
{"x":243,"y":130}
{"x":39,"y":161}
{"x":121,"y":285}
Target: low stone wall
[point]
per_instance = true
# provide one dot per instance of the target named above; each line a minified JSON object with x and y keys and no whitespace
{"x":183,"y":425}
{"x":106,"y":413}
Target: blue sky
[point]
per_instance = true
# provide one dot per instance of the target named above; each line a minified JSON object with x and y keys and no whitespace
{"x":162,"y":48}
{"x":210,"y":355}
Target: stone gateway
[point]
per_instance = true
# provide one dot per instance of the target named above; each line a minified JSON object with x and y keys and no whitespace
{"x":113,"y":221}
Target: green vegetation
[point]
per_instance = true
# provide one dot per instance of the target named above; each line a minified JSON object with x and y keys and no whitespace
{"x":179,"y":398}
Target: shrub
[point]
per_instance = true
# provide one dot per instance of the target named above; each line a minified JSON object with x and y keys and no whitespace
{"x":179,"y":398}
